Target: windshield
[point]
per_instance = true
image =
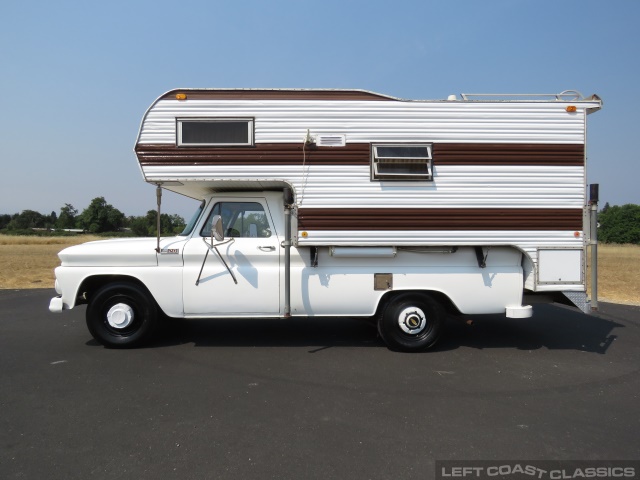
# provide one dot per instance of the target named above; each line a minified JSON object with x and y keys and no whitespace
{"x":194,"y":219}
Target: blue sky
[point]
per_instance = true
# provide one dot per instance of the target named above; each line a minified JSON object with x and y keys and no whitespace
{"x":77,"y":77}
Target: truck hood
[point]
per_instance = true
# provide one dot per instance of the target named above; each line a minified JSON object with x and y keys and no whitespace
{"x":136,"y":252}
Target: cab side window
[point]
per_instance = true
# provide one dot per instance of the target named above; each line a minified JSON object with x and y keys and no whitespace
{"x":239,"y":219}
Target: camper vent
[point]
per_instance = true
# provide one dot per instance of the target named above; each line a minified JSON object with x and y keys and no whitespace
{"x":330,"y":140}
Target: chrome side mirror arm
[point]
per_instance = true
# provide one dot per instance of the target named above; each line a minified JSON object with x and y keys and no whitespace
{"x":217,"y":234}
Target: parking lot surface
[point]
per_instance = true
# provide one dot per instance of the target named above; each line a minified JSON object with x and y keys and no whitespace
{"x":321,"y":398}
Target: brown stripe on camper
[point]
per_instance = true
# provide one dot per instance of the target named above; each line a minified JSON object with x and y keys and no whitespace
{"x":440,"y":219}
{"x":260,"y":154}
{"x":508,"y":154}
{"x":360,"y":154}
{"x":257,"y":94}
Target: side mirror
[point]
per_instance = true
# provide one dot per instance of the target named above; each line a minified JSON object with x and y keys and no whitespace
{"x":216,"y":228}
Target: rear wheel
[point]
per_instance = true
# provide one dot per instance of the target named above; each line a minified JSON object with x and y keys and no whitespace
{"x":121,"y":315}
{"x":411,"y":322}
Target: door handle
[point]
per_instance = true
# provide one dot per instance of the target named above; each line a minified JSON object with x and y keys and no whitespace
{"x":267,"y":248}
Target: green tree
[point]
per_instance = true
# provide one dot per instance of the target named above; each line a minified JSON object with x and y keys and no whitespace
{"x":139,"y":226}
{"x":172,"y":223}
{"x":67,"y":218}
{"x":619,"y":224}
{"x":4,"y":220}
{"x":146,"y":226}
{"x":101,"y":217}
{"x":27,"y":219}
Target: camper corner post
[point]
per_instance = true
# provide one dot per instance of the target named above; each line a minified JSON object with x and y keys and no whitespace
{"x":159,"y":203}
{"x":593,"y":241}
{"x":288,"y":205}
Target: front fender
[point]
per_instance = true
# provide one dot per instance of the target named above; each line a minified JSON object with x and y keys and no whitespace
{"x":77,"y":284}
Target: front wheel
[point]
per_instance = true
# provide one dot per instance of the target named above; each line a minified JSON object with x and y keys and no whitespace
{"x":121,"y":315}
{"x":411,"y":322}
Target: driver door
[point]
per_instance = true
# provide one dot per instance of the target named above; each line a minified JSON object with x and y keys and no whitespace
{"x":253,"y":256}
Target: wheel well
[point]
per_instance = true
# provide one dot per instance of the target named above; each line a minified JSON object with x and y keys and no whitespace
{"x":91,"y":285}
{"x":440,"y":297}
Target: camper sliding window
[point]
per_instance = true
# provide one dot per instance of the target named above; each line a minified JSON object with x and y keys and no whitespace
{"x":214,"y":132}
{"x":401,"y":162}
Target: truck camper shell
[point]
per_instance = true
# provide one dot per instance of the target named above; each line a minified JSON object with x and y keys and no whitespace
{"x":370,"y":170}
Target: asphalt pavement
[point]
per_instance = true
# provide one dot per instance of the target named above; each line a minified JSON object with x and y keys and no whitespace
{"x":307,"y":399}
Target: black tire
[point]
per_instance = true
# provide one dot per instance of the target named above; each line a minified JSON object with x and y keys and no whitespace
{"x":411,"y":322}
{"x":130,"y":305}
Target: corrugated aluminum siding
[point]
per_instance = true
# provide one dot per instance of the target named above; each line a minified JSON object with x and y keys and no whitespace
{"x":380,"y":121}
{"x":482,"y":186}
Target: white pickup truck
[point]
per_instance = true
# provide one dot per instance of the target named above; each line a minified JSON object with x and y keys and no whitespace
{"x":348,"y":203}
{"x":127,"y":284}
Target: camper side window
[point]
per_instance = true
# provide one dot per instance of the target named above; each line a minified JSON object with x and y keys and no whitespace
{"x":401,"y":162}
{"x":214,"y":132}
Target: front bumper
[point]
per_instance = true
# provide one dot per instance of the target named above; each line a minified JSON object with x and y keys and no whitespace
{"x":56,"y":305}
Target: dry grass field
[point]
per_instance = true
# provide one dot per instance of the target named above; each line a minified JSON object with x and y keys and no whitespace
{"x":618,"y":273}
{"x":28,"y":262}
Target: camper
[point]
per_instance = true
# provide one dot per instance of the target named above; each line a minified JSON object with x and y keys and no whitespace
{"x":348,"y":203}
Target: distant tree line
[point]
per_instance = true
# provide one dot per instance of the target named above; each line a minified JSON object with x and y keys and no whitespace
{"x":99,"y":217}
{"x":619,"y":224}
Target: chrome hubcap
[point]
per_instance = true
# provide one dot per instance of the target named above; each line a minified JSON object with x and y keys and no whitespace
{"x":120,"y":316}
{"x":412,"y":320}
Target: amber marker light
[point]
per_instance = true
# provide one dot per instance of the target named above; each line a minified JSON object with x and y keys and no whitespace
{"x":304,"y":234}
{"x":572,"y":109}
{"x":181,"y":96}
